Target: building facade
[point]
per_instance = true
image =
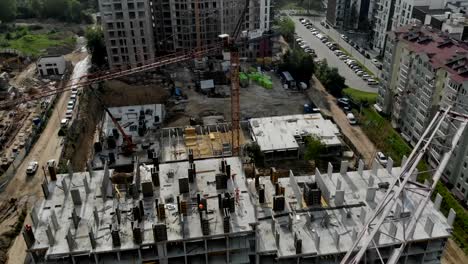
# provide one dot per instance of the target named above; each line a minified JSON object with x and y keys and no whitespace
{"x":138,"y":30}
{"x":389,"y":15}
{"x":51,"y":65}
{"x":347,"y":13}
{"x":423,"y":71}
{"x":127,"y":30}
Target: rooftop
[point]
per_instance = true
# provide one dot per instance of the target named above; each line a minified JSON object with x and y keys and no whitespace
{"x":438,"y":47}
{"x":99,"y":208}
{"x":282,"y":132}
{"x":348,"y":199}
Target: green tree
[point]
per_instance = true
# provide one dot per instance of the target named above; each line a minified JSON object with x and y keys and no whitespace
{"x":96,"y":46}
{"x":7,"y":10}
{"x":75,"y":11}
{"x":330,"y":79}
{"x":286,"y":28}
{"x":254,"y":152}
{"x":300,"y":64}
{"x":314,"y":148}
{"x":55,"y":9}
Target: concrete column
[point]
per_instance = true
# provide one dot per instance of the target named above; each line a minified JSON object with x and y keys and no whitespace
{"x":375,"y":167}
{"x":330,"y":170}
{"x":370,"y":183}
{"x":344,"y":167}
{"x":389,"y":165}
{"x":451,"y":217}
{"x":360,"y":167}
{"x":438,"y":201}
{"x":403,"y":160}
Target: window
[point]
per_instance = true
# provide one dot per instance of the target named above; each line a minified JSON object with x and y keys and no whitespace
{"x":458,"y":185}
{"x":133,"y":128}
{"x":463,"y":190}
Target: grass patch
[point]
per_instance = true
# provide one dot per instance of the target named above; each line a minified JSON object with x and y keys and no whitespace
{"x":385,"y":138}
{"x":33,"y":43}
{"x":360,"y":96}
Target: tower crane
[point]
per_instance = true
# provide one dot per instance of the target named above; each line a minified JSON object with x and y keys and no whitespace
{"x":229,"y":43}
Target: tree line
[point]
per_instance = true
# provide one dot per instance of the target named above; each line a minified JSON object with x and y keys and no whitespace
{"x":76,"y":11}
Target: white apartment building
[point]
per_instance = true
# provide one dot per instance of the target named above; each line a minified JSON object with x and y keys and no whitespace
{"x":392,"y":14}
{"x":424,"y":70}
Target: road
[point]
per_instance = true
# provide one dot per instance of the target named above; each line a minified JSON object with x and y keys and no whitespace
{"x":323,"y":52}
{"x":27,"y":189}
{"x":354,"y":134}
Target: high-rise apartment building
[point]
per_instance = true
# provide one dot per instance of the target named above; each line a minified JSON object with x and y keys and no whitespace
{"x":347,"y":13}
{"x":423,"y":71}
{"x":391,"y":14}
{"x":170,"y":25}
{"x":128,"y":32}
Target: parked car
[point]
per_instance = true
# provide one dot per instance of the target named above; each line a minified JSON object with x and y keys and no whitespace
{"x":375,"y":61}
{"x":338,"y":52}
{"x":366,"y":77}
{"x":345,"y":38}
{"x":344,"y":103}
{"x":372,"y":82}
{"x":32,"y":168}
{"x":314,"y":32}
{"x":322,"y":23}
{"x":64,"y":122}
{"x":360,"y":73}
{"x":69,"y":114}
{"x":351,"y":119}
{"x":381,"y":158}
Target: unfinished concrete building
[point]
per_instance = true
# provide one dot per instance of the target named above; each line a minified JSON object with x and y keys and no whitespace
{"x":208,"y":211}
{"x":128,"y":33}
{"x":142,"y":123}
{"x":284,"y":137}
{"x":174,"y":22}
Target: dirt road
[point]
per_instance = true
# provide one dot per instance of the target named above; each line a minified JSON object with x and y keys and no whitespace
{"x":453,"y":254}
{"x":354,"y":134}
{"x":27,"y":189}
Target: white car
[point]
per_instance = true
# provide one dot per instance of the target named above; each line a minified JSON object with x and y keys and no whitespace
{"x":32,"y":168}
{"x":366,"y":77}
{"x":381,"y":158}
{"x":338,"y":52}
{"x":314,"y":32}
{"x":64,"y":122}
{"x":298,"y":39}
{"x":344,"y":37}
{"x":360,"y":73}
{"x":351,"y":119}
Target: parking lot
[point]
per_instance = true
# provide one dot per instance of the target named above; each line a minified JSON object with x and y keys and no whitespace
{"x":324,"y":52}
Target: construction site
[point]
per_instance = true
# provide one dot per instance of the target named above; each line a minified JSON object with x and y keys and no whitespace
{"x":196,"y":150}
{"x":213,"y":211}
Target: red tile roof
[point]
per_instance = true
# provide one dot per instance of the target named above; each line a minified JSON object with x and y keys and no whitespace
{"x":442,"y":51}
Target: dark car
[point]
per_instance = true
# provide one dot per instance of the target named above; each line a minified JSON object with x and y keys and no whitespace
{"x":344,"y":103}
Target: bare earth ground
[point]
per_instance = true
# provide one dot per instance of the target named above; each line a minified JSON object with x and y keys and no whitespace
{"x":354,"y":134}
{"x":26,"y":189}
{"x":255,"y":101}
{"x":453,"y":254}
